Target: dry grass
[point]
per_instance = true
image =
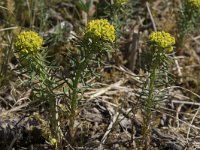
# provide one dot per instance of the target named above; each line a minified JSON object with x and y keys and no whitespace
{"x":109,"y":116}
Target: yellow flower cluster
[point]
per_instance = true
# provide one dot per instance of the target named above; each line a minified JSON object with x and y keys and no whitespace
{"x":121,"y":2}
{"x":162,"y":40}
{"x":195,"y":4}
{"x":100,"y":29}
{"x":28,"y":42}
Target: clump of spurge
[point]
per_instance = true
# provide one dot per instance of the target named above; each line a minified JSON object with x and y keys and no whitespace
{"x":100,"y":29}
{"x":162,"y":40}
{"x":160,"y":43}
{"x":28,"y":42}
{"x":28,"y":46}
{"x":98,"y":38}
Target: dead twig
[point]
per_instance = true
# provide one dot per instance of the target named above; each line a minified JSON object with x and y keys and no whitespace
{"x":188,"y":133}
{"x":151,"y":16}
{"x":114,"y":119}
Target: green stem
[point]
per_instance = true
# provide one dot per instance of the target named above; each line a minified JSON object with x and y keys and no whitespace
{"x":55,"y":126}
{"x":81,"y":67}
{"x":74,"y":102}
{"x":149,"y":104}
{"x":74,"y":98}
{"x":75,"y":88}
{"x":44,"y":76}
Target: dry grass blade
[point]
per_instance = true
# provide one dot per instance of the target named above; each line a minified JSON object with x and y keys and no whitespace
{"x":188,"y":133}
{"x":114,"y":119}
{"x":9,"y":28}
{"x":99,"y":92}
{"x":15,"y":109}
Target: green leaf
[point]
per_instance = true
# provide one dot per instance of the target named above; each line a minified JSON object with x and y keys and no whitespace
{"x":84,"y":6}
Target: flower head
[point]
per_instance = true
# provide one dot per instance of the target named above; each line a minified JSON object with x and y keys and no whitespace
{"x":194,"y":4}
{"x":162,"y":40}
{"x":121,"y":2}
{"x":28,"y":42}
{"x":100,"y":29}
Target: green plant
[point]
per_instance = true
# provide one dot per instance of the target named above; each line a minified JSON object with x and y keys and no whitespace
{"x":187,"y":19}
{"x":44,"y":82}
{"x":160,"y":44}
{"x":85,"y":6}
{"x":116,"y":11}
{"x":99,"y":34}
{"x":28,"y":47}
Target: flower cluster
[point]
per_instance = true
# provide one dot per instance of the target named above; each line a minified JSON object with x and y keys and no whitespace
{"x":100,"y":29}
{"x":121,"y":2}
{"x":194,"y":4}
{"x":28,"y":42}
{"x":163,"y":40}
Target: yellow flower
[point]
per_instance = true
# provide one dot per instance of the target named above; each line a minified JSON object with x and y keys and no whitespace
{"x":195,"y":4}
{"x":162,"y":40}
{"x":100,"y":29}
{"x":121,"y":2}
{"x":28,"y":42}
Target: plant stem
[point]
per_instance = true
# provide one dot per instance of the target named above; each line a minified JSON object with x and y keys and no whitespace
{"x":75,"y":87}
{"x":55,"y":124}
{"x":44,"y":76}
{"x":149,"y":104}
{"x":74,"y":98}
